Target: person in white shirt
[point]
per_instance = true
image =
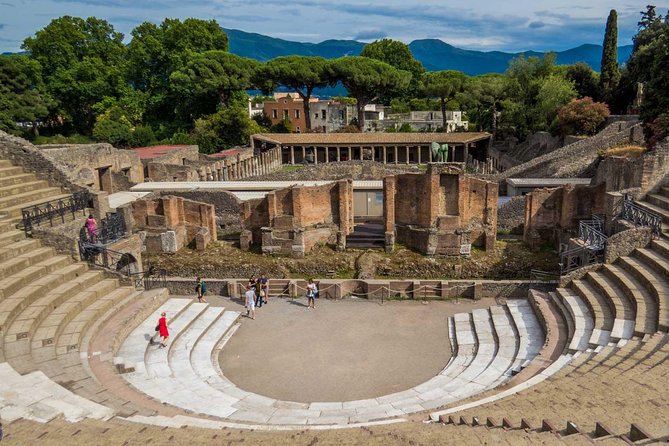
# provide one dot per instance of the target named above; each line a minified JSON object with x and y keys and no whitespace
{"x":312,"y":294}
{"x":250,"y":302}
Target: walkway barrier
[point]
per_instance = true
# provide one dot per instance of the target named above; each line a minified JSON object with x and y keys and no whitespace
{"x":55,"y":210}
{"x":639,"y":216}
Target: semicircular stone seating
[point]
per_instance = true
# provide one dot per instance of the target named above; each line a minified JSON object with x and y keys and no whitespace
{"x":489,"y":346}
{"x":51,"y":307}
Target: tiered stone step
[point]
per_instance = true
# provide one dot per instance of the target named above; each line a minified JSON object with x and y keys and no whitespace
{"x":578,"y":315}
{"x":621,"y":385}
{"x":602,"y":316}
{"x":487,"y":345}
{"x":641,"y":266}
{"x":35,"y":397}
{"x":22,"y":187}
{"x":623,"y":310}
{"x":645,"y":306}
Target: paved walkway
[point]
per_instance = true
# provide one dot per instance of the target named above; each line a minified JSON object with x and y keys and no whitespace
{"x":341,"y":351}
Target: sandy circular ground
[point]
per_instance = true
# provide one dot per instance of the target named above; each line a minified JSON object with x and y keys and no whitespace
{"x":344,"y":350}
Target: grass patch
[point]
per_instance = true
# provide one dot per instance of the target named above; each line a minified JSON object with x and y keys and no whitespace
{"x":628,"y":151}
{"x":60,"y":139}
{"x":292,"y":168}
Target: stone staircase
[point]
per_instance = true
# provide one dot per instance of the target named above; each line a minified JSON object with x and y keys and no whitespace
{"x":48,"y":305}
{"x":614,"y":361}
{"x":489,"y":346}
{"x":19,"y":190}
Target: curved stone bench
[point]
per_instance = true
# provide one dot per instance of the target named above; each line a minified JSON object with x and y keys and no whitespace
{"x":488,"y":344}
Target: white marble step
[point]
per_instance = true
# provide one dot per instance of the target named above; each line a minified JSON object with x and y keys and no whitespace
{"x":156,"y":363}
{"x":201,"y":356}
{"x":35,"y":397}
{"x":583,"y":322}
{"x":133,"y":349}
{"x":548,"y":372}
{"x":530,"y":334}
{"x":507,"y":347}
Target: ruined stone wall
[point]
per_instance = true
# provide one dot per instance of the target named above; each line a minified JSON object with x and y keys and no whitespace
{"x":213,"y":169}
{"x":553,"y":215}
{"x":647,"y":173}
{"x":81,"y":162}
{"x":169,"y":223}
{"x":177,"y":156}
{"x":438,"y":212}
{"x":294,"y":220}
{"x":22,"y":153}
{"x":228,"y":208}
{"x":625,"y":242}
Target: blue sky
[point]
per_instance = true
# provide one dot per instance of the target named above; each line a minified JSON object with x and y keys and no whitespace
{"x":510,"y":25}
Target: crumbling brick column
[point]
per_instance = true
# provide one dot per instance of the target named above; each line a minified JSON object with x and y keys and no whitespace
{"x":389,"y":191}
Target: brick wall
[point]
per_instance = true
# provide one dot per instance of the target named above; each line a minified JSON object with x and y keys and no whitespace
{"x":294,"y":220}
{"x":171,"y":222}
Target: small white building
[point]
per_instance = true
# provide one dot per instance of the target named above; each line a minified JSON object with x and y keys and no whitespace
{"x":427,"y":121}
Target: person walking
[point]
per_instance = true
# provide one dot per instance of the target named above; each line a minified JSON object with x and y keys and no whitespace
{"x":162,"y":330}
{"x":200,"y":289}
{"x":264,"y":287}
{"x":250,"y":302}
{"x":312,"y":294}
{"x":91,"y":228}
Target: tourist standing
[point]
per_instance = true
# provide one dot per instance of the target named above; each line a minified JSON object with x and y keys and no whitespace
{"x":200,"y":289}
{"x":162,"y":330}
{"x":312,"y":294}
{"x":264,"y":287}
{"x":250,"y":302}
{"x":91,"y":228}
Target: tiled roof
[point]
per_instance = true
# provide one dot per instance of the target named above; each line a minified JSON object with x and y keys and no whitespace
{"x":372,"y":138}
{"x":156,"y":151}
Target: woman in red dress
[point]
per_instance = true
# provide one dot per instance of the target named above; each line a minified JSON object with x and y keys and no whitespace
{"x":162,"y":330}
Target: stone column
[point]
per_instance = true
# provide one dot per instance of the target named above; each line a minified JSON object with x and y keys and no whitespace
{"x":350,"y":153}
{"x":385,"y":155}
{"x":304,"y":154}
{"x":389,"y":191}
{"x":396,"y":161}
{"x":419,"y":154}
{"x":292,"y":155}
{"x":327,"y":154}
{"x":407,"y":154}
{"x":338,"y":153}
{"x":429,"y":150}
{"x":315,"y":155}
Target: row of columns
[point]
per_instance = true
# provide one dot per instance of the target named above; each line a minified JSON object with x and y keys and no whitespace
{"x":232,"y":170}
{"x":384,"y":151}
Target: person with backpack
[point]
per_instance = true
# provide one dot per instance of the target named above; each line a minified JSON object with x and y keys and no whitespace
{"x":312,"y":294}
{"x":264,"y":287}
{"x":200,"y":289}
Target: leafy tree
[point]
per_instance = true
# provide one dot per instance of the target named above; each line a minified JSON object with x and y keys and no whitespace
{"x":585,"y":79}
{"x":113,"y":127}
{"x":487,"y":93}
{"x":302,"y":74}
{"x":444,"y":85}
{"x":285,"y":126}
{"x":229,"y":126}
{"x":213,"y":76}
{"x":555,"y":92}
{"x":582,"y":116}
{"x":22,"y":96}
{"x":82,"y":62}
{"x":398,"y":55}
{"x":366,"y":79}
{"x":610,"y":72}
{"x":156,"y":51}
{"x":658,"y":129}
{"x":68,"y":40}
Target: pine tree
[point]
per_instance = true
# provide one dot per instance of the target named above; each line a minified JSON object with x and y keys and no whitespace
{"x":610,"y":74}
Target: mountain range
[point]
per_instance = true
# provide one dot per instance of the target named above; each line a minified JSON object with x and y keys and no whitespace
{"x":434,"y":54}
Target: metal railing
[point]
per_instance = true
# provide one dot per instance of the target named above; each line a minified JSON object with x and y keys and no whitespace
{"x":590,"y":232}
{"x":54,"y":210}
{"x":639,"y":216}
{"x":576,"y":258}
{"x":542,"y":277}
{"x":99,"y":255}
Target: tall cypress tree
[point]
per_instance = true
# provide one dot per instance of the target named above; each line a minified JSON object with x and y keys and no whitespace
{"x":610,"y":74}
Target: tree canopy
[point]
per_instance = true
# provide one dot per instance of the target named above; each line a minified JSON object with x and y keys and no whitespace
{"x":444,"y":85}
{"x":366,"y":79}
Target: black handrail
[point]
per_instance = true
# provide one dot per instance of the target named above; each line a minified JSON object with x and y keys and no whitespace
{"x":639,"y":216}
{"x":576,"y":258}
{"x":54,"y":210}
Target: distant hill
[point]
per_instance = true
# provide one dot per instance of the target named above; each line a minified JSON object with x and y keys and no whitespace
{"x":433,"y":53}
